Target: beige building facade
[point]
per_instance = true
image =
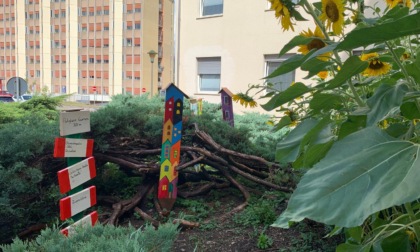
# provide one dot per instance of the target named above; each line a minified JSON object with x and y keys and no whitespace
{"x":93,"y":48}
{"x":224,"y":43}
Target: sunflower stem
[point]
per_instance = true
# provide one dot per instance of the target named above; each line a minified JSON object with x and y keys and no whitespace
{"x":311,"y":12}
{"x":318,"y":22}
{"x":412,"y":218}
{"x":397,"y":60}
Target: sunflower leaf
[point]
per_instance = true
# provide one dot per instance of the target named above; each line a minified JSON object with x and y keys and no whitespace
{"x":298,"y":16}
{"x":290,"y":64}
{"x":284,"y":121}
{"x":291,"y":93}
{"x":351,"y":125}
{"x":352,"y":66}
{"x":314,"y":66}
{"x":408,"y":25}
{"x":288,"y":149}
{"x":385,"y":99}
{"x":410,"y":110}
{"x":365,"y":172}
{"x":413,"y":69}
{"x":325,"y":102}
{"x":297,"y":40}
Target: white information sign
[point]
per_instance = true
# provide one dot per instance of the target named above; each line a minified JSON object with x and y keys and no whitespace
{"x":74,"y":122}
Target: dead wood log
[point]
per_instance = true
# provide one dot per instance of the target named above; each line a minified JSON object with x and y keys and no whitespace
{"x":32,"y":229}
{"x":259,"y":181}
{"x":241,"y":188}
{"x":186,"y":224}
{"x":143,"y":168}
{"x":126,"y":205}
{"x":190,"y":163}
{"x":147,"y":217}
{"x":220,"y":149}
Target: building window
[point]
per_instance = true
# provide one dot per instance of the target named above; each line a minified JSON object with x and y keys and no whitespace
{"x":211,"y":7}
{"x":208,"y":72}
{"x":281,"y":82}
{"x":137,"y":26}
{"x":129,"y":42}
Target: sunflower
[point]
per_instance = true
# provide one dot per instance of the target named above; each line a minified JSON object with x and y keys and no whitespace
{"x":392,"y":3}
{"x":244,"y":100}
{"x":405,"y":56}
{"x":293,"y":117}
{"x":316,"y":43}
{"x":323,"y":74}
{"x":282,"y":13}
{"x":333,"y":14}
{"x":376,"y":67}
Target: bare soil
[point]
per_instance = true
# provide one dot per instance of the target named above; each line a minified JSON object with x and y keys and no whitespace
{"x":218,"y":234}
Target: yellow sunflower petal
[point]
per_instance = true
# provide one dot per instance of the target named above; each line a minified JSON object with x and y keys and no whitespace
{"x":333,"y":15}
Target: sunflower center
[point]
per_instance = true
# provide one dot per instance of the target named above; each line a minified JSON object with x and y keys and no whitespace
{"x":376,"y":64}
{"x":315,"y":43}
{"x":332,"y":11}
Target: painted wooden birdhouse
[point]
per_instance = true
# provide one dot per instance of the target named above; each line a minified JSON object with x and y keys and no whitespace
{"x":227,"y":106}
{"x":171,"y":146}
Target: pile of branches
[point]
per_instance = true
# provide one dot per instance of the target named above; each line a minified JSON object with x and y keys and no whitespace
{"x":139,"y":157}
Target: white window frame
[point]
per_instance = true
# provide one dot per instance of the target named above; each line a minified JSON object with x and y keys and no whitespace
{"x":210,"y":67}
{"x":290,"y":76}
{"x":202,"y":8}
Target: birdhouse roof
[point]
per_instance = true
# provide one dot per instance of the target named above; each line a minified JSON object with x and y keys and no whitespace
{"x":227,"y":91}
{"x":171,"y":84}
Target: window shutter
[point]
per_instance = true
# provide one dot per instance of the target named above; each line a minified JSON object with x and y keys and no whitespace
{"x":209,"y":66}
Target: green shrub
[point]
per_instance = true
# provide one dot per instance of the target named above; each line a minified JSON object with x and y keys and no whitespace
{"x":9,"y":112}
{"x":28,"y":194}
{"x":110,"y":180}
{"x":100,"y":238}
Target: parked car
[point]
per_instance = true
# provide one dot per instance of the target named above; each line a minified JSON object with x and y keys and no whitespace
{"x":6,"y":98}
{"x":25,"y":97}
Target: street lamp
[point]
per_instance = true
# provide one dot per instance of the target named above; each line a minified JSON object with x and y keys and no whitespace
{"x":152,"y":55}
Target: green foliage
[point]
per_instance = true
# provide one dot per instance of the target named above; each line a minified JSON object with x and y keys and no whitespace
{"x":43,"y":106}
{"x":110,"y":180}
{"x":312,"y":237}
{"x":264,"y":241}
{"x":196,"y":209}
{"x":127,"y":116}
{"x":27,"y":191}
{"x":358,"y":133}
{"x":261,"y":211}
{"x":9,"y":112}
{"x":101,"y":238}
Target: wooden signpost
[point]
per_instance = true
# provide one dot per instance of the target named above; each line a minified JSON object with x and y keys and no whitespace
{"x":77,"y":174}
{"x":72,"y":147}
{"x":73,"y":122}
{"x":89,"y":219}
{"x":79,"y":170}
{"x":76,"y":203}
{"x":171,"y":147}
